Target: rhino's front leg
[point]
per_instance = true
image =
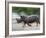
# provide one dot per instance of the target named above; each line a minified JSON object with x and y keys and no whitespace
{"x":28,"y":24}
{"x":24,"y":25}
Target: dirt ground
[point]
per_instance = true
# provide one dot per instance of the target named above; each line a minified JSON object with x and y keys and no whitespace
{"x":19,"y":26}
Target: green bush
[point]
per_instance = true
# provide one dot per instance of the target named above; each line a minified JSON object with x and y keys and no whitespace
{"x":26,"y":10}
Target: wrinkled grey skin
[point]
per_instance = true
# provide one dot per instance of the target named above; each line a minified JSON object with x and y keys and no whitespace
{"x":28,"y":20}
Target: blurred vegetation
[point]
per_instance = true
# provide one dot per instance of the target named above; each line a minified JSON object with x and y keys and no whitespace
{"x":26,"y":10}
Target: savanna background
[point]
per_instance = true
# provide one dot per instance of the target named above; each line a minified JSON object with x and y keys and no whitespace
{"x":24,"y":11}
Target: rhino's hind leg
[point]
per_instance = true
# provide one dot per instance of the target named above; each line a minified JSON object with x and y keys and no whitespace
{"x":37,"y":24}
